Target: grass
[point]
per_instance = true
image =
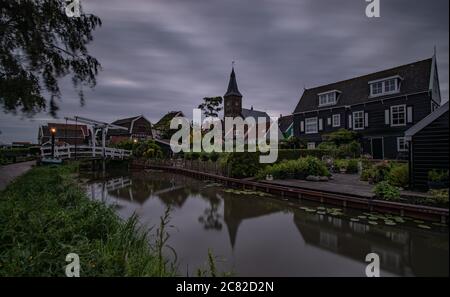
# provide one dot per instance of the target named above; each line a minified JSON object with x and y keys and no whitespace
{"x":45,"y":215}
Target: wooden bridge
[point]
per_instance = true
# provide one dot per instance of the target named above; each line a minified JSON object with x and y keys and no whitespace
{"x":84,"y":152}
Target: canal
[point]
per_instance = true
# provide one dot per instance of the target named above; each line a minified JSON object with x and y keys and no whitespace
{"x":252,"y":234}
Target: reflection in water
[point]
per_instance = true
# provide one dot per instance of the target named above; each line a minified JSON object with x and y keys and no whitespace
{"x":267,"y":237}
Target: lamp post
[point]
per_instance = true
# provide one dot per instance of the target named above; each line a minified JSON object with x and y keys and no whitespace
{"x":53,"y":132}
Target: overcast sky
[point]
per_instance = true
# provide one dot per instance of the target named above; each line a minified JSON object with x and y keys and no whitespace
{"x":163,"y":55}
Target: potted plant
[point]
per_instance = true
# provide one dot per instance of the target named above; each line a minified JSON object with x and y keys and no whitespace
{"x":341,"y":165}
{"x":438,"y":179}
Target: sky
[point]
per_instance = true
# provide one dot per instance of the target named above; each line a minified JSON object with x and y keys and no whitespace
{"x":164,"y":55}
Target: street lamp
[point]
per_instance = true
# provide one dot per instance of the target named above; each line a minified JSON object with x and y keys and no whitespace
{"x":135,"y":140}
{"x":53,"y":132}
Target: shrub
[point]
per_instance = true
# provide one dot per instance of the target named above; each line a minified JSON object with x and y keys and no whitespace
{"x":367,"y":173}
{"x":352,"y":166}
{"x":438,"y":175}
{"x":299,"y":168}
{"x":352,"y":149}
{"x":341,"y":164}
{"x":214,"y":156}
{"x":327,"y":146}
{"x":439,"y":196}
{"x":243,"y":164}
{"x":399,"y":175}
{"x":381,"y":171}
{"x":341,"y":136}
{"x":195,"y":156}
{"x":204,"y":156}
{"x":386,"y":191}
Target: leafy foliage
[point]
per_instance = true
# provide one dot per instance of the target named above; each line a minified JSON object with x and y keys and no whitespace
{"x":211,"y":106}
{"x":44,"y":215}
{"x":438,"y":175}
{"x":39,"y":44}
{"x":299,"y":168}
{"x":386,"y":191}
{"x":341,"y":136}
{"x":399,"y":175}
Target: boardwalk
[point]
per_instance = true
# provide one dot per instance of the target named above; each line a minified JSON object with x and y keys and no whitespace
{"x":10,"y":172}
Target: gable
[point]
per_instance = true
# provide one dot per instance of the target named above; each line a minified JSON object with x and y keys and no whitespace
{"x":415,"y":78}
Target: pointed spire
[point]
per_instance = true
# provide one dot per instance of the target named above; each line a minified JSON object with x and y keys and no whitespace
{"x":232,"y":85}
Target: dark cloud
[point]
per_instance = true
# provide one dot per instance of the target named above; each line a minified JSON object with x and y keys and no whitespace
{"x":164,"y":55}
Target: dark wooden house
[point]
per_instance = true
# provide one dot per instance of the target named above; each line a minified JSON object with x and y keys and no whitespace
{"x":162,"y":129}
{"x":428,"y":146}
{"x":380,"y":106}
{"x":139,"y":128}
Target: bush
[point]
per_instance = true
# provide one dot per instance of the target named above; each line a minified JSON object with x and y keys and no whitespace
{"x":195,"y":156}
{"x":327,"y":146}
{"x":296,"y":154}
{"x":439,"y":196}
{"x":367,"y":173}
{"x":386,"y":191}
{"x":399,"y":175}
{"x":381,"y":171}
{"x":438,"y":175}
{"x":243,"y":164}
{"x":341,"y":136}
{"x":352,"y":150}
{"x":214,"y":156}
{"x":352,"y":166}
{"x":299,"y":168}
{"x":204,"y":156}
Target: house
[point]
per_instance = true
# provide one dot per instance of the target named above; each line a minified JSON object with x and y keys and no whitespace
{"x":380,"y":106}
{"x":428,"y":146}
{"x":162,"y":129}
{"x":138,"y":128}
{"x":72,"y":134}
{"x":233,"y":107}
{"x":286,"y":124}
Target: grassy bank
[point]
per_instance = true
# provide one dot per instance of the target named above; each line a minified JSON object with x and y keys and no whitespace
{"x":45,"y":215}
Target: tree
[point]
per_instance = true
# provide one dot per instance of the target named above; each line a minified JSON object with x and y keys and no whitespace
{"x":211,"y":106}
{"x":39,"y":44}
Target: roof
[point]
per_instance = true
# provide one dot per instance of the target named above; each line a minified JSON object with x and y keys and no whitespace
{"x":254,"y":114}
{"x":426,"y":120}
{"x":416,"y":78}
{"x":285,"y":122}
{"x":126,"y":121}
{"x":65,"y":131}
{"x":233,"y":89}
{"x":165,"y":120}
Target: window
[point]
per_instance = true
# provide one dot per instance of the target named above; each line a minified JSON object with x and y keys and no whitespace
{"x":390,"y":85}
{"x":377,"y":88}
{"x":398,"y":115}
{"x":311,"y":145}
{"x":402,"y":144}
{"x":311,"y":125}
{"x":358,"y":120}
{"x":384,"y":86}
{"x":328,"y":98}
{"x":336,"y":120}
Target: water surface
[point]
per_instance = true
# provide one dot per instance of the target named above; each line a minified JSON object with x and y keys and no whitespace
{"x":263,"y":236}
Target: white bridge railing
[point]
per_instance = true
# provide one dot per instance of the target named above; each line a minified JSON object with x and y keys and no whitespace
{"x":84,"y":151}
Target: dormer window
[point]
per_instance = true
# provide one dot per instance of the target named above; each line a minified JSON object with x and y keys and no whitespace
{"x":385,"y":86}
{"x":328,"y":98}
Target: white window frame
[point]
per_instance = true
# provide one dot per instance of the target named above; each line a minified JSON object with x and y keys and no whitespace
{"x":392,"y":115}
{"x":383,"y":83}
{"x":316,"y":125}
{"x":360,"y":114}
{"x":338,"y":117}
{"x":405,"y":144}
{"x":330,"y":98}
{"x":311,"y":145}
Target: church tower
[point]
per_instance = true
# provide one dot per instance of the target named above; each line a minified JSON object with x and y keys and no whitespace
{"x":232,"y":98}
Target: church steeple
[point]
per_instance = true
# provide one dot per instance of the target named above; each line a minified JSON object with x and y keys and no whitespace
{"x":233,"y":89}
{"x":232,"y":98}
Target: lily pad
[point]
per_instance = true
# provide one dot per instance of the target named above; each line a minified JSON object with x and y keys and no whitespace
{"x":424,"y":226}
{"x":362,"y":217}
{"x":310,"y":210}
{"x":321,"y":208}
{"x":373,"y":218}
{"x":354,"y":220}
{"x":321,"y":212}
{"x":418,"y":221}
{"x":390,"y":223}
{"x":440,"y":224}
{"x":372,"y":223}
